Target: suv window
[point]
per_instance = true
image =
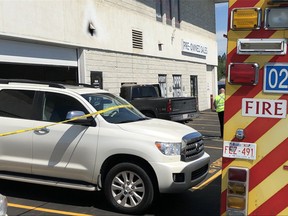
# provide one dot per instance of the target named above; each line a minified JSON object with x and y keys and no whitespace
{"x":16,"y":103}
{"x":144,"y":91}
{"x":56,"y":106}
{"x":114,"y":114}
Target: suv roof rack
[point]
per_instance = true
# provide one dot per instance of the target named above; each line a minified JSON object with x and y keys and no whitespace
{"x":50,"y":84}
{"x":85,"y":85}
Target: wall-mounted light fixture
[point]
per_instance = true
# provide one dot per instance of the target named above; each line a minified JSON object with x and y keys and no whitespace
{"x":91,"y":28}
{"x":160,"y":46}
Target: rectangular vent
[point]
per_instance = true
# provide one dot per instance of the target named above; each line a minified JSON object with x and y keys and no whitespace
{"x":137,"y":39}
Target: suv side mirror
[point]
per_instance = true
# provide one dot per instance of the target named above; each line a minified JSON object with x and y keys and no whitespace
{"x":81,"y":121}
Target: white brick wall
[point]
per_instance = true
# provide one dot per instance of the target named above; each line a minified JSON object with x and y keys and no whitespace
{"x":118,"y":68}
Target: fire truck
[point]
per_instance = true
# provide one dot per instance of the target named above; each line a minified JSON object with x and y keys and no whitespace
{"x":255,"y":144}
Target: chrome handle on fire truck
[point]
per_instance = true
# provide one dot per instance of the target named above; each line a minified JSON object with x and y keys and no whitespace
{"x":240,"y":134}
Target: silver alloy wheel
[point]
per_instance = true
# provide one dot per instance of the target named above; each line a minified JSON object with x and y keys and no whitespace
{"x":128,"y":189}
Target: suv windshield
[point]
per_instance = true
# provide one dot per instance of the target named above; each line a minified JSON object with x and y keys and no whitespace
{"x":112,"y":112}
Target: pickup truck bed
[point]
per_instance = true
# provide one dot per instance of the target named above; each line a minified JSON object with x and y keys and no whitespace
{"x":147,"y":99}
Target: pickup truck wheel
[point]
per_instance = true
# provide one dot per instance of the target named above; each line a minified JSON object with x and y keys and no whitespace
{"x":128,"y":188}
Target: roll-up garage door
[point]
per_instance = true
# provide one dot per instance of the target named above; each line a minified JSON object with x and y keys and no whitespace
{"x":21,"y":60}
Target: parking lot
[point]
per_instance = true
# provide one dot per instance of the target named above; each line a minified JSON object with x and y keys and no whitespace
{"x":204,"y":199}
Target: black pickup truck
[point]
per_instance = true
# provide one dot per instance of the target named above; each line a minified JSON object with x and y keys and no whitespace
{"x":147,"y":99}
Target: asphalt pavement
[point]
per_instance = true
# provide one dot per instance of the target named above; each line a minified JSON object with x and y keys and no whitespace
{"x":207,"y":123}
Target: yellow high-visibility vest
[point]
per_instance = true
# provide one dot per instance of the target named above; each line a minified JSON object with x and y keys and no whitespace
{"x":219,"y":102}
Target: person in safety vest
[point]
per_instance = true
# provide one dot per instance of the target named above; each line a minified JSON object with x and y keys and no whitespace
{"x":219,"y":106}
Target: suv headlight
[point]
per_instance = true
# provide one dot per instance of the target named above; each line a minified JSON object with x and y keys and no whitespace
{"x":169,"y":148}
{"x":3,"y":205}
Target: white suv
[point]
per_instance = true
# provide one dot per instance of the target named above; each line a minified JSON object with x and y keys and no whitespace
{"x":85,"y":138}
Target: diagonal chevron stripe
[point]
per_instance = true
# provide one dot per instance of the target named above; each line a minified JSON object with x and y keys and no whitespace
{"x":279,"y":156}
{"x":254,"y":128}
{"x":278,"y":201}
{"x":246,"y":3}
{"x":284,"y":212}
{"x":265,"y":149}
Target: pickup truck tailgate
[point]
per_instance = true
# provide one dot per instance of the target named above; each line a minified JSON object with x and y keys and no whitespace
{"x":184,"y":104}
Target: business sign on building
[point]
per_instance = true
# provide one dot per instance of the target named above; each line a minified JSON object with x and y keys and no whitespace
{"x":194,"y":48}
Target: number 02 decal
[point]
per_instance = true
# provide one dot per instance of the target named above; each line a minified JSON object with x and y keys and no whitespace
{"x":274,"y":74}
{"x":276,"y":78}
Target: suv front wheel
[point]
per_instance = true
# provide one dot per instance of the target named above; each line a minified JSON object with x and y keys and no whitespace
{"x":128,"y":188}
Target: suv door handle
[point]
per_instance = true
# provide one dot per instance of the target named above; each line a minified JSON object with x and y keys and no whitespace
{"x":42,"y":130}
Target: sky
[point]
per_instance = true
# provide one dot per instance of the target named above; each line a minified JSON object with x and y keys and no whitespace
{"x":221,"y":26}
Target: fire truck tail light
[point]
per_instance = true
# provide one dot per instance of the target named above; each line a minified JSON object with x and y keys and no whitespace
{"x":236,"y":174}
{"x":243,"y":73}
{"x":237,"y":188}
{"x":276,"y":18}
{"x":245,"y":18}
{"x":237,"y":191}
{"x":262,"y":46}
{"x":236,"y":202}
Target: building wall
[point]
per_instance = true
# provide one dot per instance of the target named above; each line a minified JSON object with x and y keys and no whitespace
{"x":118,"y":68}
{"x":109,"y":49}
{"x":143,"y":66}
{"x":66,"y":22}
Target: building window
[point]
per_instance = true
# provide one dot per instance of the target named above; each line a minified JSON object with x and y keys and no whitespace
{"x":171,"y":9}
{"x":167,"y":11}
{"x":163,"y":84}
{"x":159,"y":11}
{"x":194,"y":86}
{"x":176,"y":12}
{"x":177,"y":85}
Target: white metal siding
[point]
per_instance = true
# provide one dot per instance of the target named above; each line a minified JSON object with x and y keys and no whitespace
{"x":29,"y":53}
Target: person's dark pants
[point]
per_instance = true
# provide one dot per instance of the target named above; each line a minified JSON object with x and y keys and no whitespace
{"x":221,"y":120}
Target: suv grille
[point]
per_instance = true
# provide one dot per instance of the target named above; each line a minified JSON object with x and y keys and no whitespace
{"x":199,"y":173}
{"x":193,"y":147}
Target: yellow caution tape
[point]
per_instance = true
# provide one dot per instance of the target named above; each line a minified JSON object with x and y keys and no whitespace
{"x":65,"y":121}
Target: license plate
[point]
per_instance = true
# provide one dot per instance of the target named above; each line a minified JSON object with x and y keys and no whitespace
{"x":184,"y":116}
{"x":276,"y":78}
{"x":241,"y":150}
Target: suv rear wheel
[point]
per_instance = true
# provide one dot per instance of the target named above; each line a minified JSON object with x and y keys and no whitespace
{"x":128,"y":188}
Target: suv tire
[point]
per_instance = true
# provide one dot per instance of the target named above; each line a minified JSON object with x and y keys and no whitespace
{"x":128,"y":188}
